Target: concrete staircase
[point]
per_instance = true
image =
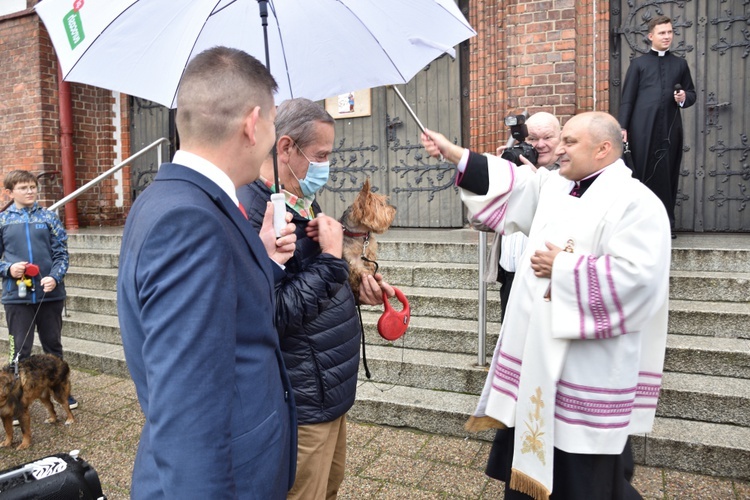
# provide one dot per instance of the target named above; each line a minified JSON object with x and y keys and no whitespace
{"x":429,"y":379}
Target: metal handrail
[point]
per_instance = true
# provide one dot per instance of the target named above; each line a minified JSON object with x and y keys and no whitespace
{"x":482,"y":313}
{"x":78,"y":192}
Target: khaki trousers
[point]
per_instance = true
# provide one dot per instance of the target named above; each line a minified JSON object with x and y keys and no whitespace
{"x":321,"y":459}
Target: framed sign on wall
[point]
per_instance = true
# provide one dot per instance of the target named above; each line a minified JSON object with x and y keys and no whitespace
{"x":350,"y":105}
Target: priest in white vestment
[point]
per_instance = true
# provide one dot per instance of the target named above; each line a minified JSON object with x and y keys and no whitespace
{"x":578,"y":365}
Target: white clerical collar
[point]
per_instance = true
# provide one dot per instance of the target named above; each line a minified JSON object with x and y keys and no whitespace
{"x":207,"y":169}
{"x":661,"y":53}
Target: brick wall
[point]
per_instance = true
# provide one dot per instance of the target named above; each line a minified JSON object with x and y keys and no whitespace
{"x":548,"y":55}
{"x":29,"y":121}
{"x":23,"y":139}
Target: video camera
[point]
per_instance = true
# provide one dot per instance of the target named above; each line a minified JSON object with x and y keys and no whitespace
{"x":518,"y":132}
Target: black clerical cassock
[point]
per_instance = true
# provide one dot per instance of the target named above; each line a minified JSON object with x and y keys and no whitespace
{"x":652,"y":118}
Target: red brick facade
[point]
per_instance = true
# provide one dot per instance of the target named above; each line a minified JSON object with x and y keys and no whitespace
{"x":538,"y":55}
{"x":534,"y":55}
{"x":30,"y":125}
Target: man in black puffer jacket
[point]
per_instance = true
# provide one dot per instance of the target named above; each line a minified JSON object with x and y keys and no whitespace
{"x":316,"y":312}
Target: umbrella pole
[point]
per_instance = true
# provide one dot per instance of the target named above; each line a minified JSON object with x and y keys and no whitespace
{"x":412,"y":113}
{"x":263,"y":6}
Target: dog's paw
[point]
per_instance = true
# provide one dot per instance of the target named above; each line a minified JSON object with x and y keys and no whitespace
{"x":50,"y":420}
{"x":69,"y":421}
{"x":5,"y":443}
{"x":23,"y":446}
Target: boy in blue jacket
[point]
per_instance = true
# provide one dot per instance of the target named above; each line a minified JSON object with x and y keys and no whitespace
{"x":31,"y":234}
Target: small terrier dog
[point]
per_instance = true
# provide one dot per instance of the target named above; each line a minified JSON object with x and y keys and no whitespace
{"x":369,"y":214}
{"x":39,"y":376}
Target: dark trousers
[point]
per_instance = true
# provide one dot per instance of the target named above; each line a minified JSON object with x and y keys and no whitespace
{"x":48,"y":324}
{"x":575,"y":476}
{"x":506,"y":281}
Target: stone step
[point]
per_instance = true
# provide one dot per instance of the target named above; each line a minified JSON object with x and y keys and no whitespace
{"x":433,"y":274}
{"x":706,"y":398}
{"x":731,"y":258}
{"x":707,"y":448}
{"x":94,"y":258}
{"x":708,"y":356}
{"x":710,"y":319}
{"x":437,"y":412}
{"x":690,"y":252}
{"x":449,"y":303}
{"x":727,"y":357}
{"x":691,"y":396}
{"x":434,"y":334}
{"x":450,"y":245}
{"x":432,"y":370}
{"x":89,"y":300}
{"x":90,"y":238}
{"x":717,"y":319}
{"x":702,"y":447}
{"x":85,"y":354}
{"x":100,"y":278}
{"x":87,"y":326}
{"x":709,"y":286}
{"x":683,"y":285}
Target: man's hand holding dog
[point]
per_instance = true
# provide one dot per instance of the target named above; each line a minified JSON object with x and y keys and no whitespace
{"x":371,"y":289}
{"x":329,"y":234}
{"x":279,"y":249}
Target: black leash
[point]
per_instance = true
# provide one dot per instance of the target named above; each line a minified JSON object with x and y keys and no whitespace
{"x":364,"y":354}
{"x":31,"y":327}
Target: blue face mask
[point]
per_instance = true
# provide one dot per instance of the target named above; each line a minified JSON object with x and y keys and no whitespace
{"x":316,"y":177}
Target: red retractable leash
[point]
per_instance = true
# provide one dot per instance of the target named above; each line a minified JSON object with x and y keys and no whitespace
{"x":393,"y":324}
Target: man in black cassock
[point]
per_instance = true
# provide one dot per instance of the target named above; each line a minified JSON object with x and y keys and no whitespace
{"x":650,"y":113}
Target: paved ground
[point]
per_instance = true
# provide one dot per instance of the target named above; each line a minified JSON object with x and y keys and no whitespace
{"x":383,"y":462}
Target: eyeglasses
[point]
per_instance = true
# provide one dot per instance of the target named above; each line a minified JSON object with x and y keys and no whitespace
{"x":26,"y":189}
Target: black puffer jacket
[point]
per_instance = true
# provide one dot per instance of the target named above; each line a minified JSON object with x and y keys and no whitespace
{"x":316,"y":317}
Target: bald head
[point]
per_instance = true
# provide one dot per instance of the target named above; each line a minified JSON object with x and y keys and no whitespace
{"x":590,"y":142}
{"x":605,"y":128}
{"x":543,"y":119}
{"x":544,"y":135}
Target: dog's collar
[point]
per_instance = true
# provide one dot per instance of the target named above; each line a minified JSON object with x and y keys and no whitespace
{"x":351,"y":234}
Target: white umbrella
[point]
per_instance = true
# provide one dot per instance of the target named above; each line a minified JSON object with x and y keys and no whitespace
{"x":317,"y":48}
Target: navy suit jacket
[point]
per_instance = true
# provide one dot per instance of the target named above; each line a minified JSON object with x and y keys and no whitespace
{"x":196,"y":306}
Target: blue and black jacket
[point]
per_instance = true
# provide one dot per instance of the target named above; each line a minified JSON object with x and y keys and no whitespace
{"x":316,"y":317}
{"x":33,"y":235}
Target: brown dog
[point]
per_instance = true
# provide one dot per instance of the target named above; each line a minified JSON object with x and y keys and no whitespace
{"x":369,"y":214}
{"x":39,"y":376}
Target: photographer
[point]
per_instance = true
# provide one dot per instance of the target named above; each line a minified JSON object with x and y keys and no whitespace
{"x":543,"y":134}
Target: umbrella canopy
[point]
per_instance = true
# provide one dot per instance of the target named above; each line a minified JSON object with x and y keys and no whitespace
{"x":317,"y":48}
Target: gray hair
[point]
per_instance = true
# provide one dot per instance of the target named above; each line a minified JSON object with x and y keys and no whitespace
{"x":219,"y":88}
{"x":296,"y":118}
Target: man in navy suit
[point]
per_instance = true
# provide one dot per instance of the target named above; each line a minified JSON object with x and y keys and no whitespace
{"x":196,"y":303}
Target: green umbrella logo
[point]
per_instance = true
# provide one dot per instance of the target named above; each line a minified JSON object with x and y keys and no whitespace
{"x":73,"y":25}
